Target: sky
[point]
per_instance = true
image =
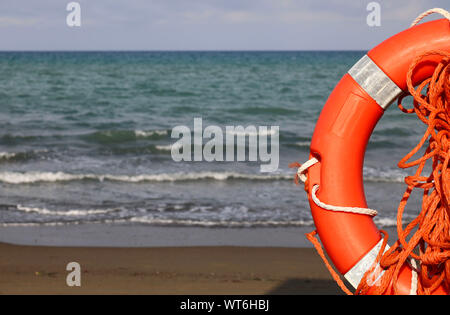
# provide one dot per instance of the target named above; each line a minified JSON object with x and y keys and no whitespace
{"x":204,"y":24}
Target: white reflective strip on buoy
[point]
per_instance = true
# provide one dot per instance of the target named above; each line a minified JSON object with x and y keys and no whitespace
{"x":355,"y":274}
{"x":375,"y":82}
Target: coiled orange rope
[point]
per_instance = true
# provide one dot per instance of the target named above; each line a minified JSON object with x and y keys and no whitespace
{"x":425,"y":242}
{"x":429,"y":232}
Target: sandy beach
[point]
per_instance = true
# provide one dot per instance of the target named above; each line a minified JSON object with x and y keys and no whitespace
{"x":164,"y":270}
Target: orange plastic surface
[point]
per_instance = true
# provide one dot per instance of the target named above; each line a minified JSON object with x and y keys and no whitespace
{"x":339,"y":142}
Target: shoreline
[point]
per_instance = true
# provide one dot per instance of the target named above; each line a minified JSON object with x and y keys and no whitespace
{"x":135,"y":235}
{"x":138,"y":259}
{"x":164,"y":270}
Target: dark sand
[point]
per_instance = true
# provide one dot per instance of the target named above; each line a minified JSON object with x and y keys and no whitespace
{"x":164,"y":270}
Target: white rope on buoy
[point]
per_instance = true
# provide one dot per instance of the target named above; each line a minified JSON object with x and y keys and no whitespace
{"x":440,"y":11}
{"x":301,"y":174}
{"x":370,"y":212}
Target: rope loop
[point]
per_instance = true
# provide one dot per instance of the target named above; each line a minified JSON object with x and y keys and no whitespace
{"x":440,"y":11}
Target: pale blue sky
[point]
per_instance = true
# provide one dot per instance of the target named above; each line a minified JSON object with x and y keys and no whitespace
{"x":203,"y":24}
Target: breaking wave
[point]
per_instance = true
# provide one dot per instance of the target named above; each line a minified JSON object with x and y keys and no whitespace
{"x":370,"y":175}
{"x":35,"y":177}
{"x":74,"y":212}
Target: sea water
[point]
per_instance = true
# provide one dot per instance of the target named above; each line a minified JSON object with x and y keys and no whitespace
{"x":85,"y":138}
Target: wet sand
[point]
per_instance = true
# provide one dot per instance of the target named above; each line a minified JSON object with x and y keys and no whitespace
{"x":164,"y":270}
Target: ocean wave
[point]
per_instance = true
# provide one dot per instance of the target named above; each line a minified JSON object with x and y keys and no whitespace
{"x":392,"y":221}
{"x":170,"y":222}
{"x":59,"y":223}
{"x":44,"y":216}
{"x":385,"y":222}
{"x":150,"y":133}
{"x":18,"y":138}
{"x":384,"y":176}
{"x":34,"y":177}
{"x":121,"y":136}
{"x":169,"y":147}
{"x":73,"y":212}
{"x":107,"y":136}
{"x":7,"y":155}
{"x":380,"y":222}
{"x":20,"y":156}
{"x":32,"y":224}
{"x":303,"y":144}
{"x":381,"y":179}
{"x":370,"y":175}
{"x":225,"y":223}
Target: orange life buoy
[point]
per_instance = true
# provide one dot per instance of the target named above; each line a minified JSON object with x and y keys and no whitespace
{"x":340,"y":138}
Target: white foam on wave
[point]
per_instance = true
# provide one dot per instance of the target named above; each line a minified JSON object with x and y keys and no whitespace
{"x":34,"y":177}
{"x":55,"y":223}
{"x":392,"y":221}
{"x":11,"y":155}
{"x":150,"y":220}
{"x":209,"y":223}
{"x":385,"y":222}
{"x":149,"y":133}
{"x":303,"y":144}
{"x":7,"y":155}
{"x":169,"y":147}
{"x":31,"y":224}
{"x":384,"y":176}
{"x":381,"y":222}
{"x":11,"y":177}
{"x":73,"y":212}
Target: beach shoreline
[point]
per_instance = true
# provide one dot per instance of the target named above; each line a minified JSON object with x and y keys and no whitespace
{"x":164,"y":270}
{"x":139,"y":259}
{"x":141,"y":235}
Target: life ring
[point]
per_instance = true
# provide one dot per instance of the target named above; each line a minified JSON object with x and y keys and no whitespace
{"x":343,"y":129}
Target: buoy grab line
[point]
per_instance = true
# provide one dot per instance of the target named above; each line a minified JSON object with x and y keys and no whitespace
{"x":301,"y":175}
{"x":424,"y":245}
{"x":440,"y":11}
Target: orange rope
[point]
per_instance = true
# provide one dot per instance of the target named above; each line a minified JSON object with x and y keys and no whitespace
{"x":427,"y":238}
{"x":431,"y":227}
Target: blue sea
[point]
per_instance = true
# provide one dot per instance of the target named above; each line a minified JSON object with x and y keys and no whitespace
{"x":85,"y":138}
